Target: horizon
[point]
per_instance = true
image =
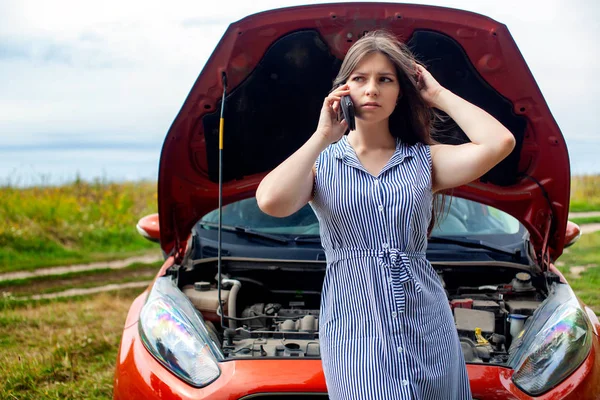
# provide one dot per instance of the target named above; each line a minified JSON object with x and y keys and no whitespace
{"x":136,"y":162}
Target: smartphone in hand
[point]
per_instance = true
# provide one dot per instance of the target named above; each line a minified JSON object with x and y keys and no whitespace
{"x":348,"y":111}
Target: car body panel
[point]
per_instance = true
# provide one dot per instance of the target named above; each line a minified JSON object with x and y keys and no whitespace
{"x":149,"y":227}
{"x":140,"y":376}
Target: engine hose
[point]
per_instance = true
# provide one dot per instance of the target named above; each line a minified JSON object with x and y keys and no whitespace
{"x":232,"y":302}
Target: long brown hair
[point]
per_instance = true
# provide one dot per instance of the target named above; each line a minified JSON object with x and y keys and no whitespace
{"x":412,"y":120}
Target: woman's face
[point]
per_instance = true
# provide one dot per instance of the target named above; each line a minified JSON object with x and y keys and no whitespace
{"x":374,"y":88}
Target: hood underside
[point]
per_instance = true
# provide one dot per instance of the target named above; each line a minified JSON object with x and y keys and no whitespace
{"x":280,"y":64}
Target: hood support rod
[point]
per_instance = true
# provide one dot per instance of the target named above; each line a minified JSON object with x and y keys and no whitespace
{"x":219,"y":244}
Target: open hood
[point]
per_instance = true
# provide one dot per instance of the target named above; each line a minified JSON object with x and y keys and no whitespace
{"x":280,"y":64}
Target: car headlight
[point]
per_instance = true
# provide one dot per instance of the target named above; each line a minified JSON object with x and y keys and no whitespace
{"x":551,"y":352}
{"x":175,"y":335}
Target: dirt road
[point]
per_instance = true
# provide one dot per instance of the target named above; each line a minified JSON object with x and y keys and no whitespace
{"x":118,"y":264}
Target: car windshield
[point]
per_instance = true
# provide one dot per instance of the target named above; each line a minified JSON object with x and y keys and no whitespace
{"x":460,"y":218}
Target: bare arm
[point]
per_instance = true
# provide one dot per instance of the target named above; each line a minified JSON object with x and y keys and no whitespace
{"x":289,"y":187}
{"x":490,"y":143}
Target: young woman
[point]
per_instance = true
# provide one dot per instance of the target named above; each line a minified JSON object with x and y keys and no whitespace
{"x":386,"y":329}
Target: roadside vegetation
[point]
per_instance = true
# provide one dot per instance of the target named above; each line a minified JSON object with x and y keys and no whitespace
{"x":585,"y":193}
{"x":581,"y":266}
{"x":61,"y":349}
{"x":76,"y":223}
{"x":586,"y":220}
{"x":83,"y":222}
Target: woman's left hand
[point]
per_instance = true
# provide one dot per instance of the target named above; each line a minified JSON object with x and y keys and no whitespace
{"x":428,"y":87}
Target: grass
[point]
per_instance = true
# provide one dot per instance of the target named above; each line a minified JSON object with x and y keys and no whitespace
{"x":586,"y":220}
{"x":76,"y":223}
{"x":62,"y":349}
{"x":84,"y":222}
{"x":585,"y":193}
{"x":584,"y":253}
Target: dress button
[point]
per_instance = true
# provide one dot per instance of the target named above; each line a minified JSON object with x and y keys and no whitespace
{"x":390,"y":280}
{"x":404,"y":382}
{"x":380,"y":208}
{"x":385,"y":245}
{"x":400,"y":349}
{"x":376,"y":181}
{"x":394,"y":315}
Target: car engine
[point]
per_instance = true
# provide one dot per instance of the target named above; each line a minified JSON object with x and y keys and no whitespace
{"x":285,"y":322}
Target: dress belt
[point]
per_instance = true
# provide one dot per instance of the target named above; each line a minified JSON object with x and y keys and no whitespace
{"x":396,"y":260}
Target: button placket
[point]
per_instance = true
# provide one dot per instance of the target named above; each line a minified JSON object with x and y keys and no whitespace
{"x":400,"y":350}
{"x":399,"y":343}
{"x":378,"y":200}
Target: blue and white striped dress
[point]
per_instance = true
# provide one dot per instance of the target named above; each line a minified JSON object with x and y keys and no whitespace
{"x":386,"y":329}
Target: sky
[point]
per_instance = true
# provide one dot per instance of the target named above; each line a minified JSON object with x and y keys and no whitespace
{"x":92,"y":87}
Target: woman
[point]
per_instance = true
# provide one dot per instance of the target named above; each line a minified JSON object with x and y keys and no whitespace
{"x":386,"y":329}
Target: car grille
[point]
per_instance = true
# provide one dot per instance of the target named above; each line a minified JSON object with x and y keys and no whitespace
{"x":286,"y":396}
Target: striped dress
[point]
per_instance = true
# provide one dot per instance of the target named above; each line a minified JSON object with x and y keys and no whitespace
{"x":386,"y":329}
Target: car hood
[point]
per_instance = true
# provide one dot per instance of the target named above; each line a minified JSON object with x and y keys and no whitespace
{"x":279,"y":65}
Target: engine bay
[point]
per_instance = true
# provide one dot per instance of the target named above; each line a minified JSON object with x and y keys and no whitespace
{"x":272,"y":311}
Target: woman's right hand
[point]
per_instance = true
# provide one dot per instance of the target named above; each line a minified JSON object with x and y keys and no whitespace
{"x":329,"y":126}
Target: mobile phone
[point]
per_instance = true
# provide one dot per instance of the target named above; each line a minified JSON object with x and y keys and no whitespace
{"x":348,"y":111}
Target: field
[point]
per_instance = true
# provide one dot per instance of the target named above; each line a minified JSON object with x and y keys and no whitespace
{"x":61,"y":349}
{"x":581,"y":266}
{"x":585,"y":193}
{"x":94,"y":221}
{"x":76,"y":223}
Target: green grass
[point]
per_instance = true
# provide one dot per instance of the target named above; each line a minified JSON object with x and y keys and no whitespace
{"x":584,"y":253}
{"x":583,"y":206}
{"x":83,"y":222}
{"x":62,"y":349}
{"x":76,"y":223}
{"x":585,"y":193}
{"x":586,"y":220}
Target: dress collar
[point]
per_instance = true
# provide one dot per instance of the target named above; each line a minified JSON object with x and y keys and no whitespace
{"x":345,"y":152}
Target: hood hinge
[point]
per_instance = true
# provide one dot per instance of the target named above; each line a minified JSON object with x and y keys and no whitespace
{"x":177,"y":250}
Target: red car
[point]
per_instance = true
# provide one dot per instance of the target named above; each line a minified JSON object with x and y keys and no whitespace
{"x":523,"y":331}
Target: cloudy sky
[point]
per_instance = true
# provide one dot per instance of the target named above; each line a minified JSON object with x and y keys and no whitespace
{"x":109,"y":77}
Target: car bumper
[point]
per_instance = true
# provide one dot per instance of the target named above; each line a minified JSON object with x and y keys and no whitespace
{"x":139,"y":376}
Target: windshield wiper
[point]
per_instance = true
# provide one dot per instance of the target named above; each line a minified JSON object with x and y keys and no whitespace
{"x":247,"y":232}
{"x":474,"y":243}
{"x":308,"y":239}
